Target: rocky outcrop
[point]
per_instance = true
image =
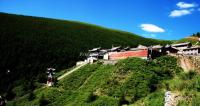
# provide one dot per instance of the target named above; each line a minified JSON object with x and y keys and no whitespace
{"x":189,"y":62}
{"x":171,"y":98}
{"x":196,"y":61}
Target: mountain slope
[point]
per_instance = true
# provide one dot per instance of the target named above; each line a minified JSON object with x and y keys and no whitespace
{"x":128,"y":82}
{"x":29,"y":45}
{"x":131,"y":81}
{"x":193,"y":39}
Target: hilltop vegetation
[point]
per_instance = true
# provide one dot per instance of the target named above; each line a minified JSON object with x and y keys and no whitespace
{"x":194,"y":38}
{"x":131,"y":81}
{"x":196,"y":35}
{"x":29,"y":45}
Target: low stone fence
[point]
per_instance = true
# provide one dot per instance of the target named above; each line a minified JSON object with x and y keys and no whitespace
{"x":81,"y":62}
{"x":111,"y":62}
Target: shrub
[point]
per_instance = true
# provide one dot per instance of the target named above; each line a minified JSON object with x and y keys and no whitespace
{"x":187,"y":76}
{"x":105,"y":101}
{"x":130,"y":64}
{"x":43,"y":101}
{"x":31,"y":96}
{"x":91,"y":98}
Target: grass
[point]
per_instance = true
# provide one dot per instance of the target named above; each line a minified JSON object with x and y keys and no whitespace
{"x":127,"y":82}
{"x":154,"y":99}
{"x":187,"y":84}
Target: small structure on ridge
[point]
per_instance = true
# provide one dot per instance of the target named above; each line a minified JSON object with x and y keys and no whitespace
{"x":50,"y":78}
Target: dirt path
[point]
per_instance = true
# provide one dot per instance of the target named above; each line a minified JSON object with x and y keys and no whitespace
{"x":71,"y":71}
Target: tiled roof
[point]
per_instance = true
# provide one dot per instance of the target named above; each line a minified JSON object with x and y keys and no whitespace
{"x":180,"y":44}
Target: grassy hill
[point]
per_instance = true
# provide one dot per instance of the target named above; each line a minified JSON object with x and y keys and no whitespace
{"x":131,"y":81}
{"x":193,"y":39}
{"x":29,"y":45}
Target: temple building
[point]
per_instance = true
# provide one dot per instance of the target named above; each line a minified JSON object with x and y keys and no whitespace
{"x":93,"y":55}
{"x":148,"y":53}
{"x":186,"y":49}
{"x":141,"y":53}
{"x":191,"y":51}
{"x":117,"y":53}
{"x":181,"y":46}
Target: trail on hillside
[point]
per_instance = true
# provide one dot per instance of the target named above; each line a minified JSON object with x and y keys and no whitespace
{"x":69,"y":72}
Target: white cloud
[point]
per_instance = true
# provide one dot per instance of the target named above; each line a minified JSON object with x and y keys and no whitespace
{"x":184,"y":9}
{"x":179,"y":13}
{"x":151,"y":28}
{"x":183,"y":5}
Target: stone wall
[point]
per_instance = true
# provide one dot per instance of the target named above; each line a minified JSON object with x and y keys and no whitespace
{"x":111,"y":62}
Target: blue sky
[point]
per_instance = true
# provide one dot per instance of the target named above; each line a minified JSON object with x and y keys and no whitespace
{"x":161,"y":19}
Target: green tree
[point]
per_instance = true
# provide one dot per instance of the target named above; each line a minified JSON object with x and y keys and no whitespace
{"x":198,"y":34}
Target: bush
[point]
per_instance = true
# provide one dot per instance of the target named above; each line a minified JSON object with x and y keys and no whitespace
{"x":155,"y":99}
{"x":130,"y":64}
{"x":142,"y":86}
{"x":187,"y":76}
{"x":91,"y":98}
{"x":105,"y":101}
{"x":31,"y":96}
{"x":43,"y":101}
{"x":123,"y":101}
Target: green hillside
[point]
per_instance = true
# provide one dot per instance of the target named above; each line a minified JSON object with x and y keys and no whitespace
{"x":131,"y":81}
{"x":29,"y":45}
{"x":193,"y":39}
